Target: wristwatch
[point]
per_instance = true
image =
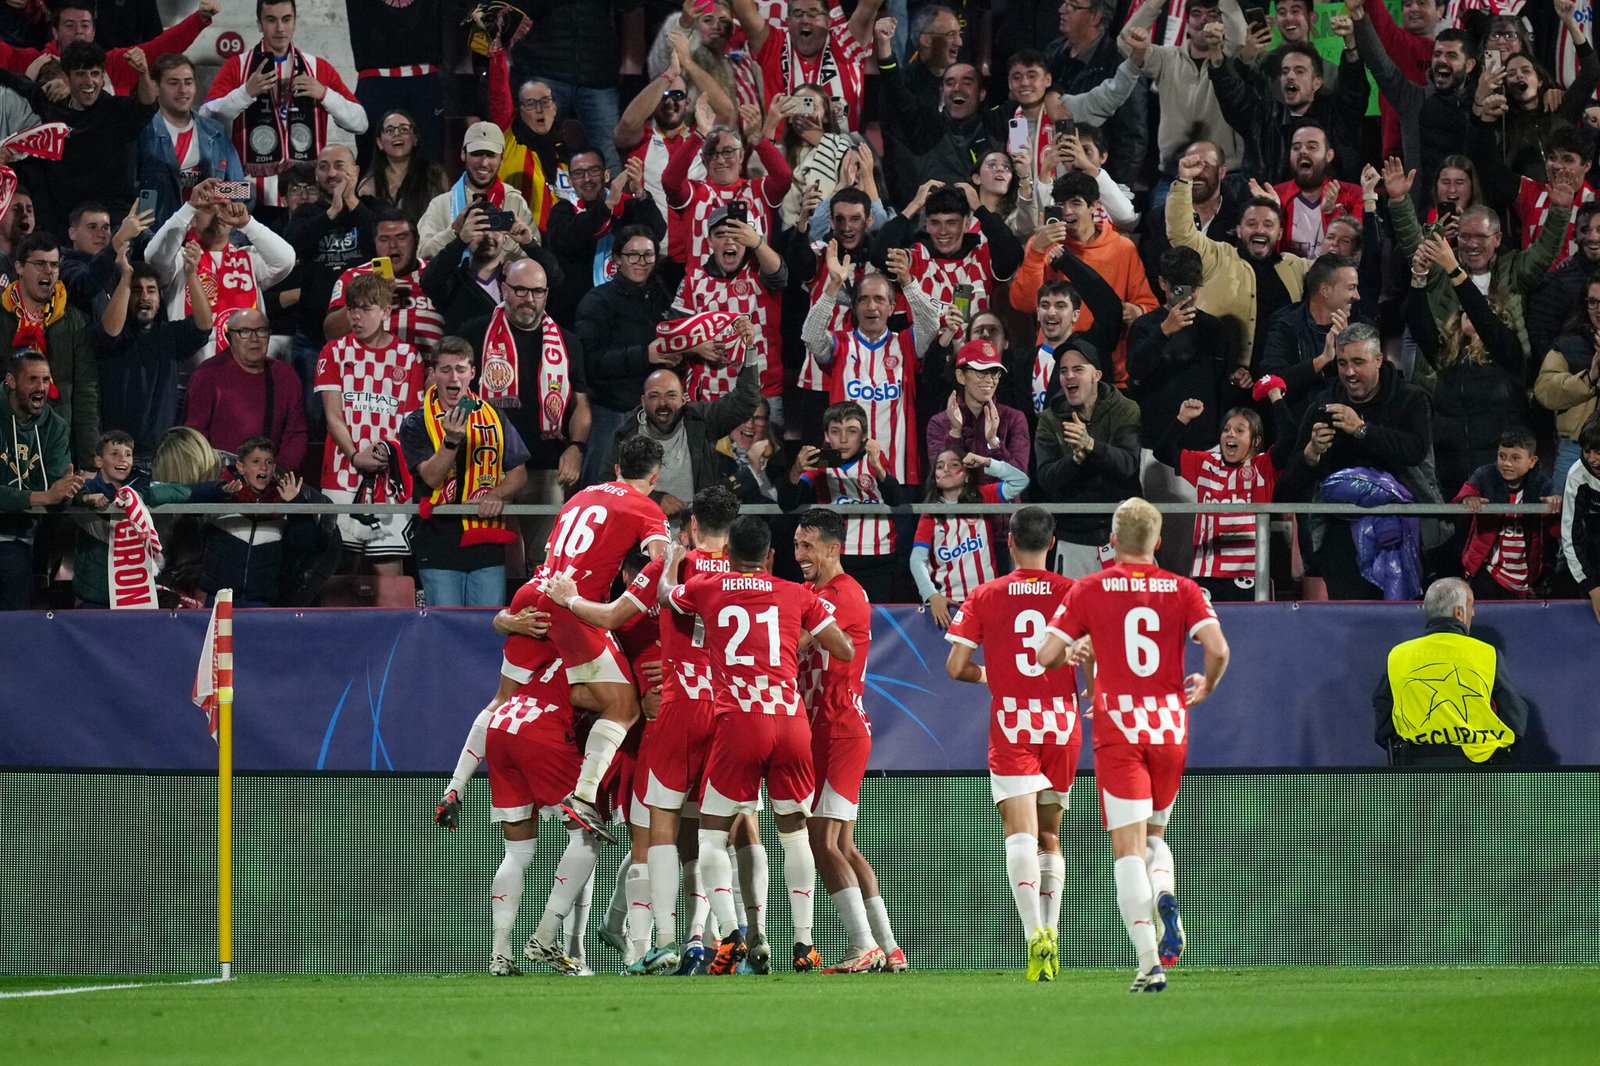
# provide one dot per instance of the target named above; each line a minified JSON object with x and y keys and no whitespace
{"x":1361,"y":431}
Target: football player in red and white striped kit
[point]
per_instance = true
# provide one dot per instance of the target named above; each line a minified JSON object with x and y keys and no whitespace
{"x":1133,"y":619}
{"x":753,"y":624}
{"x":841,"y":742}
{"x":368,"y":382}
{"x":1034,"y":734}
{"x":413,"y":318}
{"x":1237,"y":470}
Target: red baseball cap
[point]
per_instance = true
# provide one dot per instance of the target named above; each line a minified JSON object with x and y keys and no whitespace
{"x":979,"y":355}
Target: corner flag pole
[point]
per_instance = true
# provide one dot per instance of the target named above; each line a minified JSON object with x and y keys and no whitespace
{"x":223,"y":653}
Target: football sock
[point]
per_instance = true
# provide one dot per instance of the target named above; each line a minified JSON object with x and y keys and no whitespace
{"x":471,"y":754}
{"x":1163,"y":875}
{"x":800,"y":876}
{"x":882,"y":931}
{"x":577,"y":921}
{"x":640,"y":911}
{"x":738,"y":897}
{"x":662,"y":870}
{"x":853,"y":913}
{"x":753,"y":887}
{"x":1022,"y":869}
{"x":699,"y":903}
{"x":505,"y":892}
{"x":617,"y":910}
{"x":716,"y":876}
{"x":576,"y":866}
{"x":605,"y":737}
{"x":1135,"y":903}
{"x":1052,"y":871}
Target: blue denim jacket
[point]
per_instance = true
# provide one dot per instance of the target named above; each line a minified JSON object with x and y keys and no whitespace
{"x":158,"y":163}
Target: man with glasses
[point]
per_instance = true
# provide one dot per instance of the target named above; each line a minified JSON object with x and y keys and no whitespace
{"x":534,"y":159}
{"x":34,"y":313}
{"x":242,"y":392}
{"x":581,"y":232}
{"x":937,"y":32}
{"x":573,"y":50}
{"x":811,"y":50}
{"x":532,"y":372}
{"x":180,"y":148}
{"x":657,"y":118}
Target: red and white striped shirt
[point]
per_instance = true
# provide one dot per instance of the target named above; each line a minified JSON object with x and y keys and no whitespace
{"x":688,"y":228}
{"x":740,"y":294}
{"x":939,"y":277}
{"x":1533,"y":204}
{"x":655,"y":150}
{"x":840,"y":69}
{"x":1225,"y":544}
{"x":378,"y":389}
{"x":812,"y":376}
{"x":960,"y":548}
{"x":1508,"y":559}
{"x":414,"y":319}
{"x":853,"y":483}
{"x":881,"y":376}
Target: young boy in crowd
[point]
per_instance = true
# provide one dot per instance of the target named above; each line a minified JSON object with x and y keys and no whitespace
{"x":91,"y":581}
{"x":1504,"y":555}
{"x":851,"y":469}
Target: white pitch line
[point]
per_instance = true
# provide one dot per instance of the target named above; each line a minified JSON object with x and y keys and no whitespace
{"x":107,"y":988}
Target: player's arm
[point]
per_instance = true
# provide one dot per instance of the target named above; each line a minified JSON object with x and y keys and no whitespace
{"x":835,"y":641}
{"x":1215,"y":647}
{"x":960,"y":667}
{"x":563,"y":591}
{"x":1055,"y":651}
{"x":524,"y":623}
{"x":669,"y":574}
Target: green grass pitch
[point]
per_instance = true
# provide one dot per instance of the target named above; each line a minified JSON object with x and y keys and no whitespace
{"x":1483,"y":1015}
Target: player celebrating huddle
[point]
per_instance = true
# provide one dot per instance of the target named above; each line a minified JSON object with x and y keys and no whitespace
{"x":753,"y":624}
{"x":1132,"y":619}
{"x":593,"y":533}
{"x":1034,"y":737}
{"x":841,"y":741}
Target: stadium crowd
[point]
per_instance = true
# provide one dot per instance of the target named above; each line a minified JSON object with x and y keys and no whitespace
{"x":983,"y":251}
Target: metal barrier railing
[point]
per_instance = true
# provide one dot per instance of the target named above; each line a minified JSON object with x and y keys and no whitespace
{"x":1263,"y":512}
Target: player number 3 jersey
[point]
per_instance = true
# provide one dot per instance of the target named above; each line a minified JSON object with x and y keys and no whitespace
{"x":1007,"y":618}
{"x":1138,"y":617}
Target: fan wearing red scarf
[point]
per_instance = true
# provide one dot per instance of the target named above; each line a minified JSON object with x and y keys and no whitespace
{"x":34,"y":315}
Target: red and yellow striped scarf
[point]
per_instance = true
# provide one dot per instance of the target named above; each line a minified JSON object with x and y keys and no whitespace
{"x":480,"y":460}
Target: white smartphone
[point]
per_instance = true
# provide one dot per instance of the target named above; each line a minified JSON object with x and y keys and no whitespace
{"x":1017,"y":135}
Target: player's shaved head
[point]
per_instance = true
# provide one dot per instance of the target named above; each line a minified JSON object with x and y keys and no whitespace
{"x":827,"y":523}
{"x":1032,"y":529}
{"x":714,"y":509}
{"x":638,"y":458}
{"x":1136,"y":526}
{"x":749,"y":541}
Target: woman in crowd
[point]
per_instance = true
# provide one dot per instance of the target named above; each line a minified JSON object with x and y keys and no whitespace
{"x":398,"y":173}
{"x":954,"y":554}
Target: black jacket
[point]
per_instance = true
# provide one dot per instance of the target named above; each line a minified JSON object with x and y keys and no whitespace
{"x":1267,"y":127}
{"x":1164,"y":371}
{"x":572,"y":236}
{"x":1399,"y":434}
{"x":705,"y":422}
{"x":1508,"y":707}
{"x":1548,"y":308}
{"x":449,"y":283}
{"x":1293,"y":342}
{"x":616,"y":322}
{"x":1128,"y":130}
{"x":1108,"y":474}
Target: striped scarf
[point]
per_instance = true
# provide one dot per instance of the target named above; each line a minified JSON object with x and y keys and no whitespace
{"x":134,"y":556}
{"x":479,"y":463}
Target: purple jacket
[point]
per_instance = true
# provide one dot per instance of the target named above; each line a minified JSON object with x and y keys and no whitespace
{"x":1016,"y":445}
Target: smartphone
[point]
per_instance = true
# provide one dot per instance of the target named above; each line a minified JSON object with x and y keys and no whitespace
{"x":1491,"y":60}
{"x":499,"y":221}
{"x":469,"y":404}
{"x":383,"y":266}
{"x":1446,"y":211}
{"x":237,"y":191}
{"x":1052,"y":214}
{"x":829,"y":457}
{"x":738,"y":211}
{"x":1065,"y":127}
{"x":147,"y":202}
{"x":1181,"y":293}
{"x":799,"y":105}
{"x":963,"y":299}
{"x":1017,"y":135}
{"x":1324,"y":418}
{"x":1255,"y":18}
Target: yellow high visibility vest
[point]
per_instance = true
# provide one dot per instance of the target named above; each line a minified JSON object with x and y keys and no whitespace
{"x":1443,"y":685}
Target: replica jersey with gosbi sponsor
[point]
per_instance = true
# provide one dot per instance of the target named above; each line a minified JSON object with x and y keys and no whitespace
{"x":753,"y":624}
{"x":841,"y":486}
{"x":1007,"y":618}
{"x":377,"y":389}
{"x":685,"y":657}
{"x":543,"y":699}
{"x":881,"y":376}
{"x":1137,"y":615}
{"x":1225,"y":544}
{"x":594,"y":532}
{"x":413,"y":318}
{"x":833,"y":690}
{"x":960,"y":548}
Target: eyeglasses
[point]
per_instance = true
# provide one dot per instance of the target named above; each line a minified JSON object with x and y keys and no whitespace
{"x":724,"y":153}
{"x":41,"y":264}
{"x":537,"y":103}
{"x":676,"y":95}
{"x":528,"y":292}
{"x":637,"y":257}
{"x":997,"y":164}
{"x":950,"y":35}
{"x":587,"y":172}
{"x":1592,"y":304}
{"x":760,"y":418}
{"x":397,"y":131}
{"x":1502,"y":35}
{"x":259,"y":333}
